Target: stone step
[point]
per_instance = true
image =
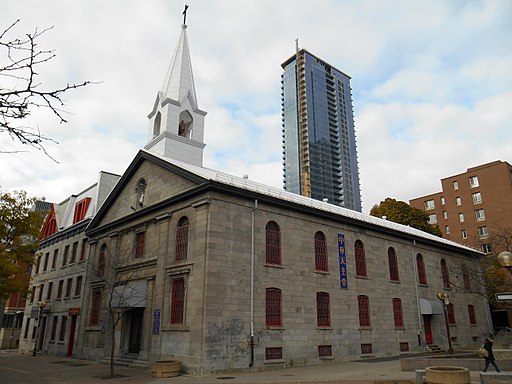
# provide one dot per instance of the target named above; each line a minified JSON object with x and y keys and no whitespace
{"x":128,"y":360}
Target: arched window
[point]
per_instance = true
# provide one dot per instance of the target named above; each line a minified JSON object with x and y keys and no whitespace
{"x":393,"y":265}
{"x":398,"y":315}
{"x":320,"y":252}
{"x":140,"y":191}
{"x":420,"y":266}
{"x":273,"y":307}
{"x":100,"y":272}
{"x":185,"y":124}
{"x":363,"y":304}
{"x":273,"y":243}
{"x":465,"y":277}
{"x":445,"y":274}
{"x":156,"y":124}
{"x":323,"y":312}
{"x":360,"y":258}
{"x":182,"y":239}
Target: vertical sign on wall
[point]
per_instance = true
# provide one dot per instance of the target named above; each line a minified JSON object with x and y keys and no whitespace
{"x":156,"y":322}
{"x":343,"y":262}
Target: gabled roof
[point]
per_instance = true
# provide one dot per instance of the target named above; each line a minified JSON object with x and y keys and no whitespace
{"x":203,"y":176}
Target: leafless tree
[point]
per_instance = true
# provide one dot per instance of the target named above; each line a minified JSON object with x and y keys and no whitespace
{"x":20,"y":90}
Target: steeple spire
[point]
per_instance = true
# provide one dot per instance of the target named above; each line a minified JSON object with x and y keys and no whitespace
{"x":176,"y":128}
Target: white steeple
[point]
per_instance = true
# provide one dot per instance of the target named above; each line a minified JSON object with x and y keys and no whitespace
{"x":176,"y":124}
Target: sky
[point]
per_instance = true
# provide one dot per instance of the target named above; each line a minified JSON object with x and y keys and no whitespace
{"x":431,"y":85}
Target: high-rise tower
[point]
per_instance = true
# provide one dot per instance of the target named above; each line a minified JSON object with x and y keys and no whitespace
{"x":319,"y":144}
{"x":176,"y":124}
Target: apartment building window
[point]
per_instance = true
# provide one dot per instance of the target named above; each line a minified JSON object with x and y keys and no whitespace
{"x":479,"y":215}
{"x":54,"y":259}
{"x":45,"y":264}
{"x":451,"y":313}
{"x":363,"y":305}
{"x":273,"y":243}
{"x":38,"y":264}
{"x":74,"y":252}
{"x":445,"y":274}
{"x":139,"y":245}
{"x":68,"y":288}
{"x":432,"y":219}
{"x":455,"y":185}
{"x":82,"y":250}
{"x":320,"y":252}
{"x":461,"y":217}
{"x":429,"y":204}
{"x":471,"y":314}
{"x":49,"y":292}
{"x":442,"y":200}
{"x":477,"y":198}
{"x":393,"y":265}
{"x":323,"y":313}
{"x":59,"y":289}
{"x":273,"y":307}
{"x":360,"y":258}
{"x":420,"y":266}
{"x":473,"y":181}
{"x":65,"y":257}
{"x":464,"y":234}
{"x":81,"y":209}
{"x":40,"y":295}
{"x":483,"y":232}
{"x":273,"y":353}
{"x":63,"y":322}
{"x":447,"y":229}
{"x":27,"y":327}
{"x":458,"y":201}
{"x":178,"y":300}
{"x":486,"y":248}
{"x":445,"y":215}
{"x":78,"y":287}
{"x":398,"y":315}
{"x":54,"y":328}
{"x":182,"y":239}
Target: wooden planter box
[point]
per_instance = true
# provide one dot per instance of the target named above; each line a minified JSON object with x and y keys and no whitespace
{"x":166,"y":368}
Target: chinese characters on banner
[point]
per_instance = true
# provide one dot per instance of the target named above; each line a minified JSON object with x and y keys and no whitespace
{"x":343,"y":262}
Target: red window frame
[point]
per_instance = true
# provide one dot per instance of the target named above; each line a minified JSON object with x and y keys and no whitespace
{"x":451,"y":314}
{"x":360,"y":258}
{"x":273,"y":307}
{"x":94,"y":318}
{"x":398,"y":315}
{"x":272,"y":243}
{"x":182,"y":239}
{"x":320,"y":252}
{"x":471,"y":314}
{"x":420,"y":266}
{"x":323,"y":312}
{"x":273,"y":353}
{"x":393,"y":265}
{"x":81,"y":209}
{"x":140,"y":239}
{"x":177,"y":300}
{"x":445,"y":274}
{"x":363,"y":305}
{"x":102,"y":258}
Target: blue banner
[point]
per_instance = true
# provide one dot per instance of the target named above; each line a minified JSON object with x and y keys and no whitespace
{"x":156,"y":322}
{"x":343,"y":262}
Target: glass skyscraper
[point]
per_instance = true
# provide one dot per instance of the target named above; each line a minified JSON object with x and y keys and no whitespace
{"x":319,"y":144}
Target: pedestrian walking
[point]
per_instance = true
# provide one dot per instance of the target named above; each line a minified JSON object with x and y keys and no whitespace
{"x":489,"y":359}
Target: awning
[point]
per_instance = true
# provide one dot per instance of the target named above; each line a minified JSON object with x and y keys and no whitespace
{"x":130,"y":295}
{"x":428,"y":307}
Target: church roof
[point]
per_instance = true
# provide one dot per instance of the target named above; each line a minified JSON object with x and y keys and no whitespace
{"x":179,"y":79}
{"x":277,"y":193}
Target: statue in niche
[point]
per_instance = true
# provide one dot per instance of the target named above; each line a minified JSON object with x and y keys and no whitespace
{"x":181,"y":128}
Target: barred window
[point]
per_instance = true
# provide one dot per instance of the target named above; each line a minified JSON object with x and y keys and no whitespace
{"x":364,"y":311}
{"x":182,"y":239}
{"x":366,"y":348}
{"x":360,"y":258}
{"x":273,"y":308}
{"x":273,"y":353}
{"x":398,"y":313}
{"x":323,"y":315}
{"x":178,"y":300}
{"x":393,"y":265}
{"x":273,"y":243}
{"x":320,"y":252}
{"x":324,"y":350}
{"x":422,"y":273}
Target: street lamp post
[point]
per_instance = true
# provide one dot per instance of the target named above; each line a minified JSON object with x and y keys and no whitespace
{"x":445,"y":301}
{"x":505,"y":260}
{"x":41,"y":305}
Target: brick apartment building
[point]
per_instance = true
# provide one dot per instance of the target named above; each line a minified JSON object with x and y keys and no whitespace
{"x":472,"y":204}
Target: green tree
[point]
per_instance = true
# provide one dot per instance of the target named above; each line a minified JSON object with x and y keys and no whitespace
{"x":403,"y":213}
{"x":19,"y":230}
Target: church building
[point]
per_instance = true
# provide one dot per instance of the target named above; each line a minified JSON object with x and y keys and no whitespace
{"x":224,"y":273}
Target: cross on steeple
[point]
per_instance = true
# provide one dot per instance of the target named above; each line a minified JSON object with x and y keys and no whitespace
{"x":185,"y":15}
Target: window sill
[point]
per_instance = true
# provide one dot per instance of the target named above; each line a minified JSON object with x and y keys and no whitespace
{"x":275,"y":327}
{"x":274,"y":361}
{"x":395,"y":281}
{"x":361,"y":277}
{"x":365,"y":328}
{"x":320,"y":272}
{"x":279,"y":266}
{"x":324,"y":328}
{"x":176,"y":328}
{"x":423,"y":285}
{"x":326,"y":357}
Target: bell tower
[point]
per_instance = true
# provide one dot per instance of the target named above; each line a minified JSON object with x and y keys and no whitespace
{"x":176,"y":124}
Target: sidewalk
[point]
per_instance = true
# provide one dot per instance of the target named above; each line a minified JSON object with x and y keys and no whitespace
{"x":27,"y":369}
